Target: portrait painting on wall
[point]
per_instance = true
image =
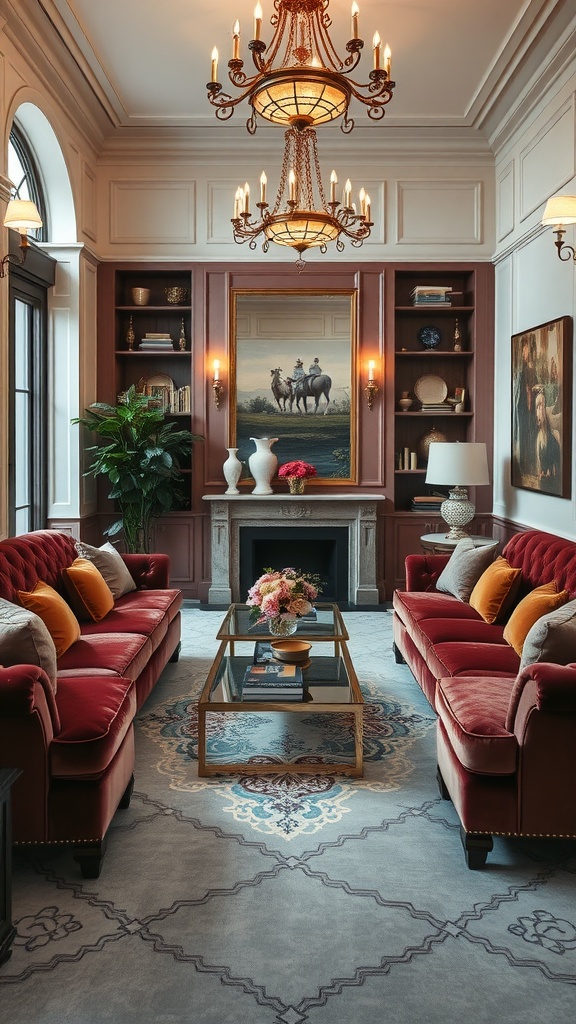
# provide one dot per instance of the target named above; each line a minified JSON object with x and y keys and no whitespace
{"x":542,"y":408}
{"x":292,"y":373}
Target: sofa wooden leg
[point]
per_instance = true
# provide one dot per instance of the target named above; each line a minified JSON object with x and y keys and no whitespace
{"x":476,"y":848}
{"x":90,"y":856}
{"x":442,"y":785}
{"x":176,"y":652}
{"x":398,"y":656}
{"x":127,"y":795}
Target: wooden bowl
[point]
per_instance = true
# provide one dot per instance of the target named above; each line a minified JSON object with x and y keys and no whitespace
{"x":294,"y":651}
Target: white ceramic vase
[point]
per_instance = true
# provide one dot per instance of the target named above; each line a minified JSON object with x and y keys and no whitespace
{"x":263,"y":464}
{"x":232,"y":470}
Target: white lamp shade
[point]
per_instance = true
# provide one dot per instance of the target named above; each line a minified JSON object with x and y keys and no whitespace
{"x":458,"y":464}
{"x":22,"y":215}
{"x":560,"y":210}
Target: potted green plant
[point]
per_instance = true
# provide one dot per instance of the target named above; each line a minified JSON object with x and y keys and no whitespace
{"x":140,"y":453}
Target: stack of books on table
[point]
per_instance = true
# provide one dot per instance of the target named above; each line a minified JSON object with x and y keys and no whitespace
{"x":269,"y":681}
{"x":427,"y":502}
{"x":431,"y":295}
{"x":156,"y":343}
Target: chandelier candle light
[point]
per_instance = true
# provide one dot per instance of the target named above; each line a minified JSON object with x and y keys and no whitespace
{"x":300,"y":80}
{"x":302,"y":217}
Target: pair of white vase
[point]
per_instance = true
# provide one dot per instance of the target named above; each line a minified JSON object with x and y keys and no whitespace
{"x":262,"y":463}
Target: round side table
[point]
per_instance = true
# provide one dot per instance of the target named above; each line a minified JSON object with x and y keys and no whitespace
{"x":438,"y":544}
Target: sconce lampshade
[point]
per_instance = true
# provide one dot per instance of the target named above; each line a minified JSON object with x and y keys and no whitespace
{"x":22,"y":215}
{"x":457,"y":465}
{"x":560,"y":210}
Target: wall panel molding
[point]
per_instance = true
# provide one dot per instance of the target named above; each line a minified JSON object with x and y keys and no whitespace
{"x":433,"y":212}
{"x":152,"y":211}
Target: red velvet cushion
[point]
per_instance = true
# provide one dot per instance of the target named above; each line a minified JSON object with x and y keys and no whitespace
{"x":473,"y":712}
{"x":465,"y":631}
{"x":459,"y":659}
{"x":150,"y":622}
{"x":543,"y":557}
{"x":428,"y":604}
{"x":95,"y":715}
{"x":169,"y":601}
{"x":126,"y":654}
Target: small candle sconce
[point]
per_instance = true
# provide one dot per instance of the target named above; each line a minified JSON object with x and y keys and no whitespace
{"x":217,"y":385}
{"x":371,"y":388}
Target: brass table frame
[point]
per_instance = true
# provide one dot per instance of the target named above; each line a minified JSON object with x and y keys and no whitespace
{"x":355,"y":707}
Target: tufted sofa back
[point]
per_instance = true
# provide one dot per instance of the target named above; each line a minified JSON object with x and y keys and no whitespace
{"x":34,"y":556}
{"x":543,"y":557}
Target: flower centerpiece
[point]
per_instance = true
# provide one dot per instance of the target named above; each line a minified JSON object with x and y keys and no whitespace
{"x":281,"y":597}
{"x":296,"y":473}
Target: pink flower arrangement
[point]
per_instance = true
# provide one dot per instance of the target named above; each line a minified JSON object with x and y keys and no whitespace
{"x":288,"y":593}
{"x":299,"y":470}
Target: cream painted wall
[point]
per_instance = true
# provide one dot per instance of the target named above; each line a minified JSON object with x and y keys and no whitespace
{"x":532,"y":285}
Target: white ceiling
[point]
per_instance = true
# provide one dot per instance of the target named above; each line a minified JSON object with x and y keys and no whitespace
{"x":148,"y":61}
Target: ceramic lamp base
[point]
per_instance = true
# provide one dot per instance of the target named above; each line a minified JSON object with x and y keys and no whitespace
{"x":457,"y":512}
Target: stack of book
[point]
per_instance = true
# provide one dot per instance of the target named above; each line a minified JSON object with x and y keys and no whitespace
{"x":427,"y":502}
{"x":273,"y":681}
{"x":181,"y":399}
{"x":431,"y":295}
{"x":156,"y":343}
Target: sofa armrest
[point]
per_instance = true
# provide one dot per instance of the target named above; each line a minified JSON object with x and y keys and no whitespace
{"x":28,"y":722}
{"x":149,"y":572}
{"x":422,"y":571}
{"x":543,"y":687}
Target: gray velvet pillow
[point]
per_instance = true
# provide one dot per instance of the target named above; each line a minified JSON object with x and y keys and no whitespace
{"x":25,"y":640}
{"x":110,"y":564}
{"x":464,"y":568}
{"x":552,"y":638}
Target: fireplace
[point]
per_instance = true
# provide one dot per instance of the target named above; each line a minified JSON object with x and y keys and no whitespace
{"x":334,"y":535}
{"x":324,"y":552}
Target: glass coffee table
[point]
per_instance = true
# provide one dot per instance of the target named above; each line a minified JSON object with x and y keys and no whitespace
{"x":330,"y":688}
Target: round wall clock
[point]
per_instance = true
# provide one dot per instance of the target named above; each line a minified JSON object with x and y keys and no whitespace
{"x":430,"y":337}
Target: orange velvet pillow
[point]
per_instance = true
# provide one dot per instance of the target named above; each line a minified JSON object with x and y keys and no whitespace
{"x":90,"y":595}
{"x":56,"y":615}
{"x":537,"y":603}
{"x":495,"y":591}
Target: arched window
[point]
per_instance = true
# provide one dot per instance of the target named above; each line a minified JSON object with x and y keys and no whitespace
{"x":24,"y":175}
{"x":29,"y":282}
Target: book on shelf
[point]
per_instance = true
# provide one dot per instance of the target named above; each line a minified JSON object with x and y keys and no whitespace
{"x":427,"y":498}
{"x":263,"y":653}
{"x":156,"y":346}
{"x":157,"y":336}
{"x":437,"y":407}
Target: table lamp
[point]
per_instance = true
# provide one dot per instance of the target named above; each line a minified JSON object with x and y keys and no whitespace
{"x":457,"y":465}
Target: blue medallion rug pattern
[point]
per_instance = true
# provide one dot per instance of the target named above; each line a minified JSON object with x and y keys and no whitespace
{"x":288,"y":898}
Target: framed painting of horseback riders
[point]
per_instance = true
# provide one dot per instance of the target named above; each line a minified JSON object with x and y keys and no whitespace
{"x":292,"y":368}
{"x":541,"y":456}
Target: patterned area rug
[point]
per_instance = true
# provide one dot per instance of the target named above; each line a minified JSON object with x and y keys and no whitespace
{"x":292,"y":899}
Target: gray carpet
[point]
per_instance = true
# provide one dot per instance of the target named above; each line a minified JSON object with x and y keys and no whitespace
{"x":286,"y":899}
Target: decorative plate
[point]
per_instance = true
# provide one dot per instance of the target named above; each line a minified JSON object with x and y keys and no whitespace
{"x":156,"y":380}
{"x":430,"y":337}
{"x":430,"y":389}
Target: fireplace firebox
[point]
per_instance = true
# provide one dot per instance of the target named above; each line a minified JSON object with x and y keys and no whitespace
{"x":321,"y":551}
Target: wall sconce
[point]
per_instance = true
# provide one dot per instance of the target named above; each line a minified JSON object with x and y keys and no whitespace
{"x":561,"y":210}
{"x":217,"y":385}
{"x":371,"y":388}
{"x":21,"y":216}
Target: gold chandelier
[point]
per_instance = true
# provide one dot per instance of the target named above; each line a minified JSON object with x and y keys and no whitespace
{"x":301,"y":217}
{"x":300,"y":80}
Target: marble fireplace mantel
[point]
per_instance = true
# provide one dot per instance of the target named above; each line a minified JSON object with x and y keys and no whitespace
{"x":229,"y":513}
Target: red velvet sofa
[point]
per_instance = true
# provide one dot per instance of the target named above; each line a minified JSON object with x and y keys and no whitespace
{"x":506,"y":740}
{"x":75,"y":746}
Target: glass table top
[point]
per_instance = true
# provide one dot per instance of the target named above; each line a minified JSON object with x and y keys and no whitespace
{"x":328,"y":625}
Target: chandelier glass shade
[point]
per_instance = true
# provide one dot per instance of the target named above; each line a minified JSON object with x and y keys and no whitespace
{"x":301,"y":217}
{"x":299,"y":78}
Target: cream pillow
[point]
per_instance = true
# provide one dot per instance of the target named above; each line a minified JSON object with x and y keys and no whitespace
{"x":111,"y":565}
{"x":25,"y":640}
{"x":552,"y":638}
{"x":464,"y":568}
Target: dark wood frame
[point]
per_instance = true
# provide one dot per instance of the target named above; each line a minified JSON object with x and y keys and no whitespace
{"x":541,"y":375}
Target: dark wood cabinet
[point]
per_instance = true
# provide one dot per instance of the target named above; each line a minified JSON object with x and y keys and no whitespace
{"x":8,"y":777}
